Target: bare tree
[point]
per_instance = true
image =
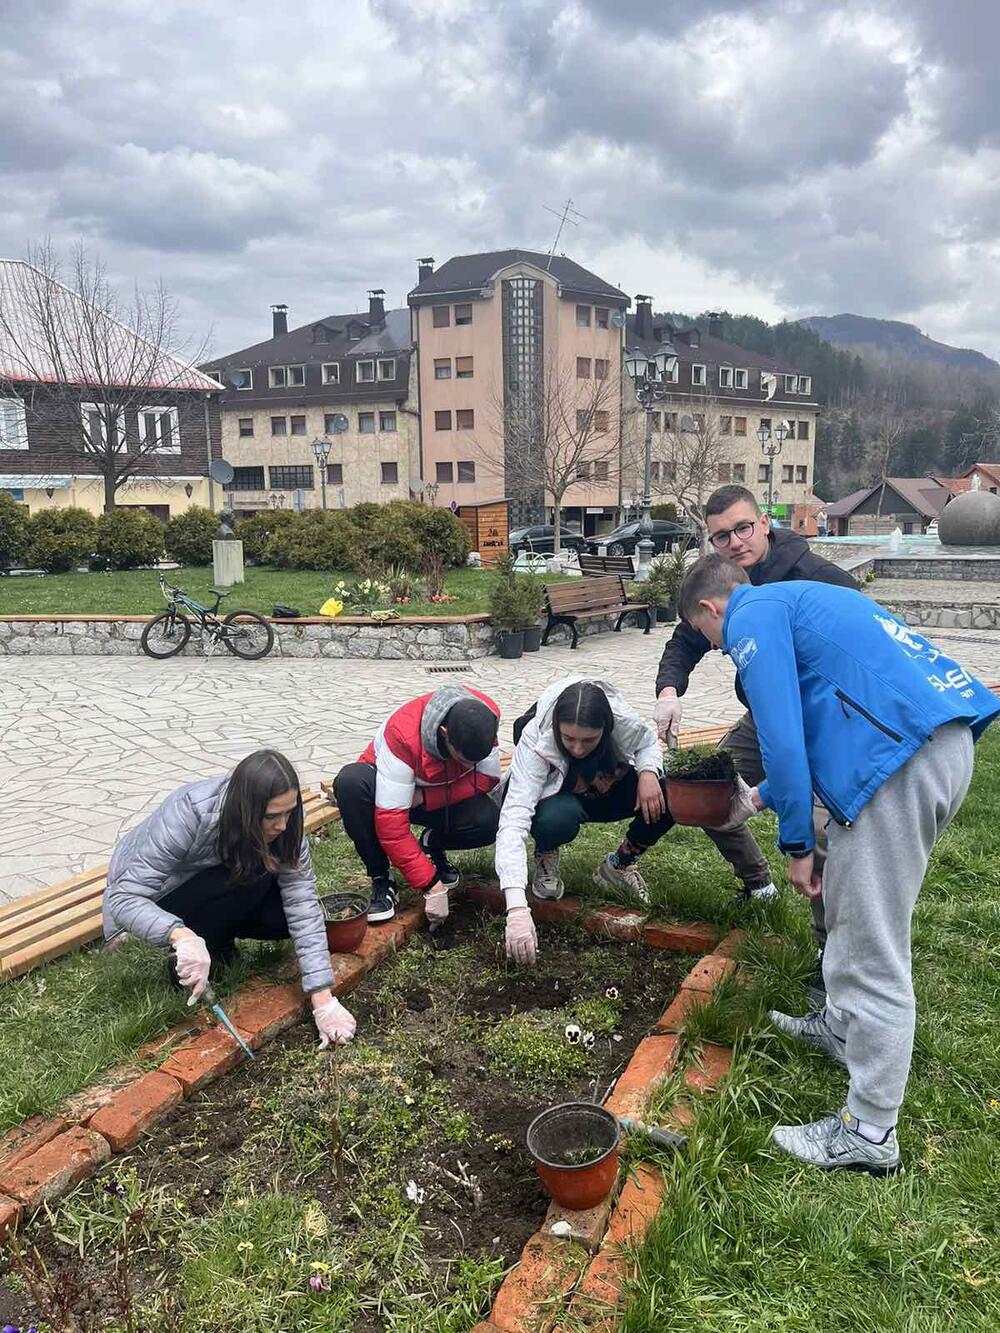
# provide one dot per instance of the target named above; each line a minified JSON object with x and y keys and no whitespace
{"x":690,"y":461}
{"x":99,"y":368}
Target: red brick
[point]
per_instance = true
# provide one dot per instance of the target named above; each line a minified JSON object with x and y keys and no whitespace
{"x":81,"y":1108}
{"x":587,"y":1226}
{"x":707,"y":974}
{"x":683,"y":1005}
{"x":680,"y":1117}
{"x":136,"y":1108}
{"x":27,"y":1138}
{"x":260,"y":1011}
{"x":10,"y":1215}
{"x":596,"y":1299}
{"x":489,"y":896}
{"x":411,"y":919}
{"x":731,"y":944}
{"x":529,"y":1299}
{"x":637,"y":1206}
{"x":485,"y":1328}
{"x":54,"y":1169}
{"x":202,"y":1060}
{"x":381,"y":941}
{"x":616,"y":923}
{"x":348,"y":972}
{"x":555,"y":911}
{"x":158,"y":1046}
{"x":654,"y":1059}
{"x":710,"y":1067}
{"x":697,"y":938}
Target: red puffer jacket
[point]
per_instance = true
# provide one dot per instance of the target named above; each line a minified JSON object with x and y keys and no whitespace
{"x":406,"y":756}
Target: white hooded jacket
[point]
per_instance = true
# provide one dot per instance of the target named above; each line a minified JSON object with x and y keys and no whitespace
{"x":539,"y":769}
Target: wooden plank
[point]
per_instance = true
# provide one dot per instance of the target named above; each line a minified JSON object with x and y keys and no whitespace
{"x":53,"y":946}
{"x":36,"y":932}
{"x":29,"y":901}
{"x":51,"y":910}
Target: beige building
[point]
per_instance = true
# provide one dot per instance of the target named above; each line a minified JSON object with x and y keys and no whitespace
{"x":518,"y":352}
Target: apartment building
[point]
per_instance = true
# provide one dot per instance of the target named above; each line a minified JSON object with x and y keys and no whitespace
{"x":349,"y":380}
{"x":516,"y":350}
{"x":729,"y":393}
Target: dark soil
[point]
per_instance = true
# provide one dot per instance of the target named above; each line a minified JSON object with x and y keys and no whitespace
{"x":694,"y":766}
{"x":251,"y":1124}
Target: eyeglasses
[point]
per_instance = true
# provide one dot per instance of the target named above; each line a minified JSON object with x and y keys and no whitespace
{"x":720,"y":540}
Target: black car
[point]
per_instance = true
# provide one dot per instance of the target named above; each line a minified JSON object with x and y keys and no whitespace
{"x":624,"y":540}
{"x":540,"y":539}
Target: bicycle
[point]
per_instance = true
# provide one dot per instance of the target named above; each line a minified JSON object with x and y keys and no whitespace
{"x":244,"y":633}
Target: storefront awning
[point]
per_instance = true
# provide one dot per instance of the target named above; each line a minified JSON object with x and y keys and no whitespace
{"x":20,"y":481}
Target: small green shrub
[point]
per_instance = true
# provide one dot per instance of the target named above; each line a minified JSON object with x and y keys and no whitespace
{"x":60,"y":539}
{"x":531,"y":1047}
{"x":256,"y":533}
{"x":14,"y":529}
{"x":600,"y":1016}
{"x":127,"y":538}
{"x":188,"y":538}
{"x":317,"y":539}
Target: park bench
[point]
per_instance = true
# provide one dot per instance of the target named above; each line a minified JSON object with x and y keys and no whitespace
{"x":590,"y":599}
{"x":593,"y":566}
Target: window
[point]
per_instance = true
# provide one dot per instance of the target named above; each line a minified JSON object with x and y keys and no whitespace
{"x":740,"y":379}
{"x":801,"y":473}
{"x":335,"y":474}
{"x":600,"y":422}
{"x":463,"y":367}
{"x":602,"y":317}
{"x":787,"y":472}
{"x":442,"y":421}
{"x":463,"y":314}
{"x":298,"y":425}
{"x":390,"y":474}
{"x":764,"y":472}
{"x":387,"y":369}
{"x":670,"y":470}
{"x":244,"y":379}
{"x":583,"y":317}
{"x":442,"y":368}
{"x":365,"y":372}
{"x":765,"y":423}
{"x":583,"y":471}
{"x":791,"y":384}
{"x":279,"y":426}
{"x":725,"y":425}
{"x":739,"y":472}
{"x":582,"y":419}
{"x":600,"y":471}
{"x":803,"y":430}
{"x":699,"y":375}
{"x":246,"y":426}
{"x":466,"y":472}
{"x":805,"y":384}
{"x":655,"y":422}
{"x":296,"y":376}
{"x":442,"y":316}
{"x":583,"y":367}
{"x":331,"y":372}
{"x":670,"y":421}
{"x":246,"y":479}
{"x":699,"y":420}
{"x":277,"y":377}
{"x":465,"y":419}
{"x":294,"y":477}
{"x":443,"y":473}
{"x":215,"y":375}
{"x":600,"y":369}
{"x":387,"y":422}
{"x":94,"y":424}
{"x":739,"y":425}
{"x":366,"y":423}
{"x":654,"y":471}
{"x":725,"y":377}
{"x":159,"y":430}
{"x":674,"y":376}
{"x":724,"y":471}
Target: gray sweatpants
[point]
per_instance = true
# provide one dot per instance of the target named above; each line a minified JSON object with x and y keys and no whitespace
{"x":873,"y":874}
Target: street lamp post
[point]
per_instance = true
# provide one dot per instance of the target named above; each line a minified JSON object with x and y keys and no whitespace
{"x":771,"y":447}
{"x":321,"y":448}
{"x":651,"y":377}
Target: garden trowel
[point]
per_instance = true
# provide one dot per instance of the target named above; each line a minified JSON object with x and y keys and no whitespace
{"x":208,"y":997}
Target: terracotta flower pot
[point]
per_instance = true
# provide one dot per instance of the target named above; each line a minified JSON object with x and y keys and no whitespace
{"x":699,"y":804}
{"x":575,"y":1129}
{"x":350,"y":921}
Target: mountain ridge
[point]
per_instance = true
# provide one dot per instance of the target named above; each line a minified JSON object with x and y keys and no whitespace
{"x":893,"y":337}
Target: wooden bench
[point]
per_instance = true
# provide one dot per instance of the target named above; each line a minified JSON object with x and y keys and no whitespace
{"x":590,"y":599}
{"x":593,"y":566}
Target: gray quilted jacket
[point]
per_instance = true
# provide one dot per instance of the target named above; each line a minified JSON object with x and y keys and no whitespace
{"x":174,"y":843}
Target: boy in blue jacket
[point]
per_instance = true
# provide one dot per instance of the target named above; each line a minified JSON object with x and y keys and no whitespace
{"x":856,"y":710}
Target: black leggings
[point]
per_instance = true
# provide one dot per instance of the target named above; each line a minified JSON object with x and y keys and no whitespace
{"x":222,"y":910}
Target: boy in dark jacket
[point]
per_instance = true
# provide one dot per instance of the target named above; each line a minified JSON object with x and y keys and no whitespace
{"x":852,"y":705}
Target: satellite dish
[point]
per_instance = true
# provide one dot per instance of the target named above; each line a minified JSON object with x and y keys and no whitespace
{"x":339,"y":423}
{"x":618,"y":319}
{"x":236,"y":378}
{"x":221,"y":471}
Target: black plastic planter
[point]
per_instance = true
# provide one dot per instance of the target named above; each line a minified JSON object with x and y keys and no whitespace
{"x":532,"y":638}
{"x":512,"y":644}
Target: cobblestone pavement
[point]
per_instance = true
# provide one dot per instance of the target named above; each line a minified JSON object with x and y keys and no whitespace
{"x":941,"y":591}
{"x":90,"y":745}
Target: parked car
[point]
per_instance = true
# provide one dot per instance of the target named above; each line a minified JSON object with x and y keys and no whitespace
{"x":540,"y":539}
{"x":624,"y":540}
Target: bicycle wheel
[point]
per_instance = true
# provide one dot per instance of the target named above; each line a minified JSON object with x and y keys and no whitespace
{"x":165,"y":635}
{"x":247,"y":634}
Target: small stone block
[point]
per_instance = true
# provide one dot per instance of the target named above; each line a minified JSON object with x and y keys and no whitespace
{"x":202,"y":1060}
{"x":348,"y":972}
{"x":730,"y":945}
{"x":697,"y":938}
{"x":260,"y":1012}
{"x":616,"y":923}
{"x":379,"y":942}
{"x":637,"y":1206}
{"x":707,"y":974}
{"x":136,"y":1108}
{"x":654,"y":1060}
{"x":54,"y":1169}
{"x":10,"y":1215}
{"x":530,"y":1298}
{"x":711,"y":1066}
{"x":683,"y":1005}
{"x":586,"y":1226}
{"x":25,"y":1139}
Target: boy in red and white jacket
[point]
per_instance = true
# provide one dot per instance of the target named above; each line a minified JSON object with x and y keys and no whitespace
{"x":433,"y":763}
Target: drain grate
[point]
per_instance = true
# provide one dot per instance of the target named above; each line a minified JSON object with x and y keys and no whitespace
{"x":442,"y":670}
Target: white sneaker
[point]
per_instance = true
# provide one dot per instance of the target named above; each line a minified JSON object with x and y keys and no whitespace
{"x":621,"y":877}
{"x":814,"y":1030}
{"x":545,"y":882}
{"x":762,"y":893}
{"x":834,"y":1144}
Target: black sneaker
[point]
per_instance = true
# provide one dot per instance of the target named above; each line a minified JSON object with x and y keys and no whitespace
{"x":382,"y":904}
{"x":446,"y":872}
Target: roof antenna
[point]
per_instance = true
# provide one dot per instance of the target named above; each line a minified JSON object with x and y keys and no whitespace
{"x":563,"y":217}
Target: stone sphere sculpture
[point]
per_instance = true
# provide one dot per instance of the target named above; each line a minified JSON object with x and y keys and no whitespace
{"x":971,"y":519}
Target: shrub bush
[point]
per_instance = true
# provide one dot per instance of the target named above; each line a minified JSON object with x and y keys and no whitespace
{"x":256,"y":533}
{"x":189,"y":536}
{"x":59,"y":539}
{"x":405,"y":533}
{"x":14,"y":526}
{"x":317,"y":539}
{"x":127,"y":538}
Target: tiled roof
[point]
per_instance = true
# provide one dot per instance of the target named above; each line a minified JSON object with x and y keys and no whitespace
{"x":300,"y":346}
{"x":469,"y":273}
{"x":924,"y":495}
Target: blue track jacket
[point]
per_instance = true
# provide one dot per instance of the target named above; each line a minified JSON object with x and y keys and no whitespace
{"x":842,"y":694}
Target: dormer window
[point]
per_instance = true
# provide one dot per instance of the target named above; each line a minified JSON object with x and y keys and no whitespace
{"x":699,"y":376}
{"x":277,"y":377}
{"x":740,"y":379}
{"x":805,"y":384}
{"x":387,"y":369}
{"x":725,"y":377}
{"x":366,"y":372}
{"x":323,"y":333}
{"x":331,"y":372}
{"x":791,"y":384}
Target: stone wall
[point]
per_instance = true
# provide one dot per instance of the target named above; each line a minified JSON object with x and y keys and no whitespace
{"x":973,"y":615}
{"x":942,"y":569}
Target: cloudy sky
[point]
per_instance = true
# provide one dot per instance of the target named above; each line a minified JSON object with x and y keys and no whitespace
{"x":774,"y":156}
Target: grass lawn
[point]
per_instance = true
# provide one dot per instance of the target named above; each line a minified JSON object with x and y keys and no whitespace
{"x":137,"y":592}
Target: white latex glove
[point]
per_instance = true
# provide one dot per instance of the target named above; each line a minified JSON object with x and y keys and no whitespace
{"x":741,"y":808}
{"x":436,"y":905}
{"x":521,"y":940}
{"x":335,"y":1024}
{"x":667,"y":716}
{"x":193,"y":964}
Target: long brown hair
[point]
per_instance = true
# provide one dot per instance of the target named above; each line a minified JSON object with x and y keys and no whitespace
{"x":255,"y":782}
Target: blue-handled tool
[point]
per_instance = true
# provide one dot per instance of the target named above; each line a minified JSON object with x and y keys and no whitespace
{"x":208,"y":995}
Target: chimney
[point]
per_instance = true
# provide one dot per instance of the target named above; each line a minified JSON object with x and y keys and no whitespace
{"x":643,"y":316}
{"x":714,"y":324}
{"x":425,"y":267}
{"x":279,"y":320}
{"x":376,"y":307}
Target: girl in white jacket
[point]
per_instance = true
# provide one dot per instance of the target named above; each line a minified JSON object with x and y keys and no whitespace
{"x":584,"y":757}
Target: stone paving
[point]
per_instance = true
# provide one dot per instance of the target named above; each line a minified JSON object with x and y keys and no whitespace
{"x":91,"y":745}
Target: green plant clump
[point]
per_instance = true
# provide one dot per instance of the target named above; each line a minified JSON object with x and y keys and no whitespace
{"x":127,"y":538}
{"x":189,"y":536}
{"x":60,"y":539}
{"x":600,"y":1016}
{"x":701,"y":763}
{"x":532,"y":1048}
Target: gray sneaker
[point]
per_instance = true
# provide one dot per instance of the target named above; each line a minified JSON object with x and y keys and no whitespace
{"x":814,"y":1030}
{"x":834,"y":1144}
{"x":545,"y":882}
{"x":621,"y":877}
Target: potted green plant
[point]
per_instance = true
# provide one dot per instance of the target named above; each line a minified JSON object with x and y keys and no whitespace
{"x":505,"y":608}
{"x":532,"y":600}
{"x":700,"y":785}
{"x":666,"y":574}
{"x":575,"y":1150}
